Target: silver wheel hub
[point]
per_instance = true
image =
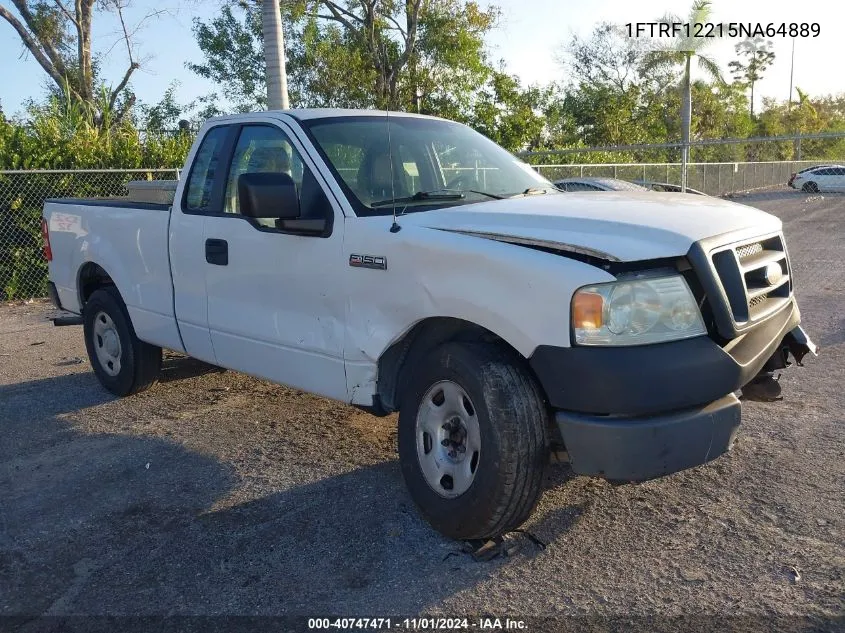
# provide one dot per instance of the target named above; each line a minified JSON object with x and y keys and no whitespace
{"x":448,"y":439}
{"x":107,"y":344}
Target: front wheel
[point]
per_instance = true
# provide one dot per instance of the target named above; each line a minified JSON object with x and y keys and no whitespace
{"x":122,"y":362}
{"x":810,"y":187}
{"x":473,"y":440}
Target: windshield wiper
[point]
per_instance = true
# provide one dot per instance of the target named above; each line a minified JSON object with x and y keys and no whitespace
{"x":495,"y":196}
{"x":420,"y":196}
{"x":531,"y":191}
{"x":437,"y":194}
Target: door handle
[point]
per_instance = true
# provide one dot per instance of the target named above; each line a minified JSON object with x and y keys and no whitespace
{"x":217,"y":252}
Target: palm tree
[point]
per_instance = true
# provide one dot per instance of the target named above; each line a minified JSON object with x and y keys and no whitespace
{"x":680,"y":53}
{"x":274,"y":55}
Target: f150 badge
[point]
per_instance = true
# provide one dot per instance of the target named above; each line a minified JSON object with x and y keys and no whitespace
{"x":376,"y":262}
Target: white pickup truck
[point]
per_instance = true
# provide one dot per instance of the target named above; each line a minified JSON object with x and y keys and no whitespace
{"x":406,"y":263}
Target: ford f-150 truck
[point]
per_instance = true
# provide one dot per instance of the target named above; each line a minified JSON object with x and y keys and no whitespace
{"x":407,"y":263}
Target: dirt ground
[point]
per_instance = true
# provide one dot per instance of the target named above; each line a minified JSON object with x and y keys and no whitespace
{"x":215,"y":493}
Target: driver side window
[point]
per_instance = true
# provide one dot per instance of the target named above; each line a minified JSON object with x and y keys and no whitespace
{"x":262,"y":149}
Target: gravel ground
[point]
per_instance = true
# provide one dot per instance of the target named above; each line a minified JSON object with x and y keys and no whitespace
{"x":215,"y":493}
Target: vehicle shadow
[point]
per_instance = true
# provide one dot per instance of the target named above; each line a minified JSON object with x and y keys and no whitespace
{"x":106,"y":523}
{"x":177,"y":366}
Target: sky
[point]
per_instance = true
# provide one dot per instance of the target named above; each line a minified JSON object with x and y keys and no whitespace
{"x":529,"y":40}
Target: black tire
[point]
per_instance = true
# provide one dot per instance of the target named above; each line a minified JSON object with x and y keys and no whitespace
{"x":140,"y":362}
{"x":810,"y":187}
{"x":512,"y":419}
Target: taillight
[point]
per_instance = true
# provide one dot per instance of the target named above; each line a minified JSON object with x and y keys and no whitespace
{"x":45,"y":233}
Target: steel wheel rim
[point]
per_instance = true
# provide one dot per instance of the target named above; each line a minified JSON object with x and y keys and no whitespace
{"x":106,"y":342}
{"x":448,"y":439}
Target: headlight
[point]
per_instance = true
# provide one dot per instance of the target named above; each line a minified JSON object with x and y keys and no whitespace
{"x":636,"y":312}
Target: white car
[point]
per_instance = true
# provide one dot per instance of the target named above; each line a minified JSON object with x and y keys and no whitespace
{"x":825,"y":178}
{"x":410,"y":264}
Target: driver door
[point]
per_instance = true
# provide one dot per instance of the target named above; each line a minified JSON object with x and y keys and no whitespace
{"x":275,"y":302}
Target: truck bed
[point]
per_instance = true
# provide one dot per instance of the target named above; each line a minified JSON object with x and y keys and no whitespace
{"x":127,"y":241}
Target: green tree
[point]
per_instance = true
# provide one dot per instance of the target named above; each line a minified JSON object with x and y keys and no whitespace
{"x":233,"y":47}
{"x":509,"y":114}
{"x":680,"y":53}
{"x":808,"y":116}
{"x":606,"y":58}
{"x":450,"y":62}
{"x":605,"y":116}
{"x":328,"y":69}
{"x":59,"y":36}
{"x":758,"y":56}
{"x":61,"y":134}
{"x":609,"y":99}
{"x":57,"y":134}
{"x":164,"y":116}
{"x":720,"y":111}
{"x":405,"y":56}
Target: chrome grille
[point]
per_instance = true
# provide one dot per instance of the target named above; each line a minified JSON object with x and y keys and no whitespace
{"x":743,"y":252}
{"x":752,"y":303}
{"x":755,"y":277}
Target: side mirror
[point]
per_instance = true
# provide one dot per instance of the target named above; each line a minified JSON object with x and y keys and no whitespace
{"x":268,"y":196}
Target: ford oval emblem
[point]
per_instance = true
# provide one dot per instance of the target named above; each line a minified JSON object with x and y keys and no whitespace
{"x":773,"y":273}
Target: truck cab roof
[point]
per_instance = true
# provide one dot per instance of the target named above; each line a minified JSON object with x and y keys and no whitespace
{"x":307,"y":114}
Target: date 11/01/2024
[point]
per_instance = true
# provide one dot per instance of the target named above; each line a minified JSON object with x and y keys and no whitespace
{"x":418,"y":624}
{"x":727,"y":29}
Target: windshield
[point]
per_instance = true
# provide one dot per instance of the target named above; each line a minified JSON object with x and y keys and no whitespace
{"x":435,"y":164}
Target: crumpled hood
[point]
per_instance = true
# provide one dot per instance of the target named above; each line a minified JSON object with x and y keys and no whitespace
{"x":622,"y":226}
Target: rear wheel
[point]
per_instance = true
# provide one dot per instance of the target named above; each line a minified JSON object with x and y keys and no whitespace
{"x":122,"y":363}
{"x":473,"y":440}
{"x":810,"y":187}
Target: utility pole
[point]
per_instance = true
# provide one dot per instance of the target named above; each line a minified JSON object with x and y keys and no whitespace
{"x":796,"y":147}
{"x":791,"y":69}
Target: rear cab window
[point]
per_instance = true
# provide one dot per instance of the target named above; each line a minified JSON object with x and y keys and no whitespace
{"x":198,"y":189}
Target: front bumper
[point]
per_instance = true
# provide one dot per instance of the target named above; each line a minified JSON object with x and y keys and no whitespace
{"x":649,"y":379}
{"x":634,"y":449}
{"x":635,"y":413}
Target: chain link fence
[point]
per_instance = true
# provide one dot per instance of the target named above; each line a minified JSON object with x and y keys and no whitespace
{"x":715,"y":179}
{"x":716,"y":167}
{"x":23,"y":270}
{"x":721,"y":170}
